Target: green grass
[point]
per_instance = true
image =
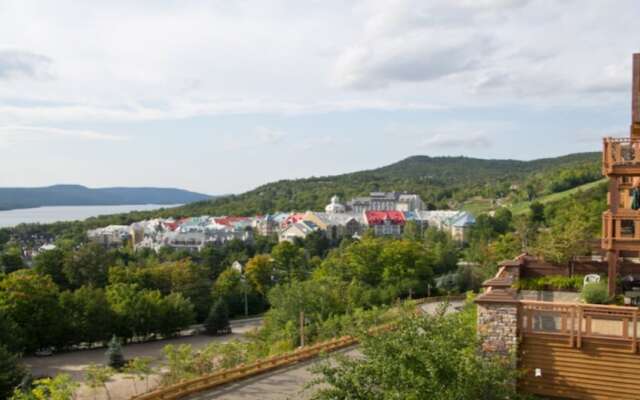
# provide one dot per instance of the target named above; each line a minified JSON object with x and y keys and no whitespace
{"x":478,"y":206}
{"x":519,"y":208}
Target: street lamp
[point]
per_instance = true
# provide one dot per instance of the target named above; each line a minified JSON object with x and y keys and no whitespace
{"x":243,"y":280}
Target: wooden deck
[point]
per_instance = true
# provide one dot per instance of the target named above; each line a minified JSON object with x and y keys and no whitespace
{"x":579,"y":351}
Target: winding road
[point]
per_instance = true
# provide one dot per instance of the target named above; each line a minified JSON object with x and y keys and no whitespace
{"x":291,"y":382}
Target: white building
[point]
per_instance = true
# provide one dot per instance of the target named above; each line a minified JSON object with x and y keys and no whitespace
{"x":109,"y":236}
{"x":298,"y":229}
{"x":456,"y":223}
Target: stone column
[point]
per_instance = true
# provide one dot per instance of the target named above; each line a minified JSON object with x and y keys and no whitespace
{"x":498,"y":324}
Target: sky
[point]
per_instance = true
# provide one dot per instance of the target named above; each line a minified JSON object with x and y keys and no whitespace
{"x":223,"y":96}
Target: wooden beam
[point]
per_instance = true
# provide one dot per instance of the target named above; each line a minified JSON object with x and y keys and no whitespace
{"x":614,"y":194}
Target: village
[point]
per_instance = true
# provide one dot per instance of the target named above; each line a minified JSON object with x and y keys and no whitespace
{"x":382,"y":213}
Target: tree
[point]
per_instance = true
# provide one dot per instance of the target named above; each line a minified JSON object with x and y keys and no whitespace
{"x":11,"y":372}
{"x":536,"y":212}
{"x":319,"y":298}
{"x":260,"y":272}
{"x":113,"y":355}
{"x":88,"y":315}
{"x":564,"y":240}
{"x":290,"y":261}
{"x":11,"y":260}
{"x":97,"y":376}
{"x":316,"y":244}
{"x":412,"y":231}
{"x":61,"y":387}
{"x":30,"y":300}
{"x":179,"y":364}
{"x":228,"y":285}
{"x":176,"y":313}
{"x":407,"y":266}
{"x":218,"y":320}
{"x":141,"y":313}
{"x":139,"y":368}
{"x":9,"y":332}
{"x":424,"y":358}
{"x":51,"y":262}
{"x":89,"y":265}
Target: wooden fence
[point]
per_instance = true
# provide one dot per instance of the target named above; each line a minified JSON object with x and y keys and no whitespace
{"x":223,"y":377}
{"x":579,"y":351}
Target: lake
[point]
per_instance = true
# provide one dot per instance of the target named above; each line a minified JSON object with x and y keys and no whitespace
{"x":45,"y":215}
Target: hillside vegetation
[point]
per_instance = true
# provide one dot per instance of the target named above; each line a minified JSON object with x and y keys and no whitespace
{"x":442,"y":182}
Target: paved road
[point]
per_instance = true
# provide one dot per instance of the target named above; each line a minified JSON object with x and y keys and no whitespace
{"x":289,"y":383}
{"x":74,"y":362}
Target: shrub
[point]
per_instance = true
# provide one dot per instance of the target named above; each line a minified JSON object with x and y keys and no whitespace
{"x":114,"y":356}
{"x":426,"y":357}
{"x":595,"y":293}
{"x":551,"y":282}
{"x":218,"y":320}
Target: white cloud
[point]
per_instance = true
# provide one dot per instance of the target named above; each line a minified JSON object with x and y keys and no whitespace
{"x":15,"y":64}
{"x":258,"y":137}
{"x":269,"y":136}
{"x":456,"y":140}
{"x":12,"y":134}
{"x":146,"y":61}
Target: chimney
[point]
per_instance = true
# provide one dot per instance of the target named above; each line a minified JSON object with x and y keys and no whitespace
{"x":635,"y":98}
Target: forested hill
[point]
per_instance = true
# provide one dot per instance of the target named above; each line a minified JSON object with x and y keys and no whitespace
{"x":441,"y":181}
{"x":76,"y":195}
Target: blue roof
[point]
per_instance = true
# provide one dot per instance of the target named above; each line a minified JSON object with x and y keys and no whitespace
{"x":463,"y":219}
{"x":410,"y":215}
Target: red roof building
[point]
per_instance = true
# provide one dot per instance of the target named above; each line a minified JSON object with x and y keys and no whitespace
{"x":385,"y":223}
{"x":380,"y":217}
{"x":292,"y":219}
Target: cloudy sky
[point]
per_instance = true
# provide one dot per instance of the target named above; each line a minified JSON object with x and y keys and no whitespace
{"x":221,"y":96}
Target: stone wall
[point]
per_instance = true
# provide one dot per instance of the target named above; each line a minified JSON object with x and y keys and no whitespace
{"x":498,"y":327}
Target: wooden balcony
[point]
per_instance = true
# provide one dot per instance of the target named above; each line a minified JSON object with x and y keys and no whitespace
{"x":621,"y":157}
{"x":621,"y":230}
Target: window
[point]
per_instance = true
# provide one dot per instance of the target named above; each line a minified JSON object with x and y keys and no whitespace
{"x":627,"y":228}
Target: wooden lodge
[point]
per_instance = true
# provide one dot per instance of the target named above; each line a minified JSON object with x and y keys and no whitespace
{"x":568,"y":349}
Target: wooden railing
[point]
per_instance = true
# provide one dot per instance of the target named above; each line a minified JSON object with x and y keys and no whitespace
{"x":223,"y":377}
{"x":620,"y":152}
{"x":621,"y":230}
{"x":578,"y":322}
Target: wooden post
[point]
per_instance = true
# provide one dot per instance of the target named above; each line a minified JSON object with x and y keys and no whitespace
{"x":579,"y":343}
{"x":635,"y":98}
{"x":613,"y":271}
{"x":614,"y":194}
{"x":301,"y":328}
{"x":573,"y":326}
{"x":634,"y":339}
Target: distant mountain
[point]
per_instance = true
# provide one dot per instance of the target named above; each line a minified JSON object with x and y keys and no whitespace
{"x":76,"y":195}
{"x":440,"y":181}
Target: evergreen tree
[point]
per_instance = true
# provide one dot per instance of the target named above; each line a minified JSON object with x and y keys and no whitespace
{"x":218,"y":320}
{"x":11,"y":372}
{"x":114,"y":356}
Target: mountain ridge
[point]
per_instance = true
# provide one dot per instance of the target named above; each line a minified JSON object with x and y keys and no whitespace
{"x":437,"y":179}
{"x":79,"y":195}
